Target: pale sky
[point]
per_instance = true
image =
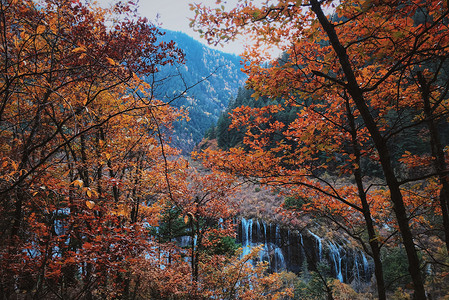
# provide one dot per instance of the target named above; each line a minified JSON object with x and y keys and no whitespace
{"x":174,"y":15}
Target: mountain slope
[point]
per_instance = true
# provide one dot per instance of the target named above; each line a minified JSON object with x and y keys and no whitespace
{"x":209,"y":77}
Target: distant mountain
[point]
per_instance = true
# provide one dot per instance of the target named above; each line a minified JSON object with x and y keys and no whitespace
{"x":214,"y":78}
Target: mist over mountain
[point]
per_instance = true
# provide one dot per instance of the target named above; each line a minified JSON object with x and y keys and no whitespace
{"x":203,"y":85}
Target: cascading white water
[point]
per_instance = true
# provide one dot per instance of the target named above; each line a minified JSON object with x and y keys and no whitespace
{"x":293,"y":251}
{"x":278,"y":234}
{"x":270,"y":251}
{"x":278,"y":260}
{"x":320,"y":245}
{"x":334,"y":253}
{"x":247,"y":228}
{"x":264,"y":231}
{"x":302,"y":247}
{"x":258,"y":233}
{"x":361,"y":268}
{"x":250,"y":230}
{"x":366,"y":264}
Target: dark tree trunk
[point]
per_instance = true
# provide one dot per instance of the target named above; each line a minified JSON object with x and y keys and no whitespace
{"x":438,"y":154}
{"x":373,"y":238}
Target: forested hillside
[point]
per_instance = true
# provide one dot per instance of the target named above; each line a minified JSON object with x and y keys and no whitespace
{"x":228,"y":136}
{"x":205,"y":82}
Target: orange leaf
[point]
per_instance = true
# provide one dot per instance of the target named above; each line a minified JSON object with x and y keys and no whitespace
{"x":79,"y":49}
{"x":78,"y":183}
{"x":87,"y":246}
{"x":90,"y":204}
{"x":111,"y":61}
{"x":40,"y":29}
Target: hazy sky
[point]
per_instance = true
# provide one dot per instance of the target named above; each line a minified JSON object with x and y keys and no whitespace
{"x":174,"y":15}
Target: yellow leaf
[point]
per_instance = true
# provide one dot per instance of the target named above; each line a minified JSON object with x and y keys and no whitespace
{"x":186,"y":219}
{"x":89,"y":193}
{"x":90,"y":204}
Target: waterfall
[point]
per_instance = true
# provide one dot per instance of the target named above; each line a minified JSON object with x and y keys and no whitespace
{"x":278,"y":234}
{"x":334,"y":252}
{"x":265,"y":231}
{"x":290,"y":250}
{"x":184,"y":241}
{"x":302,"y":247}
{"x":278,"y":260}
{"x":365,"y":263}
{"x":320,"y":246}
{"x":361,"y":270}
{"x":366,"y":267}
{"x":258,"y":233}
{"x":250,"y":231}
{"x":247,"y":228}
{"x":265,"y":253}
{"x":356,"y":268}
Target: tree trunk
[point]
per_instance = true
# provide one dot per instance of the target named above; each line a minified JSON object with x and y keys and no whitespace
{"x":373,"y":238}
{"x":438,"y":154}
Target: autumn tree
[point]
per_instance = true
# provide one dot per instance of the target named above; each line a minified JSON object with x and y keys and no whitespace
{"x":372,"y":64}
{"x":81,"y":145}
